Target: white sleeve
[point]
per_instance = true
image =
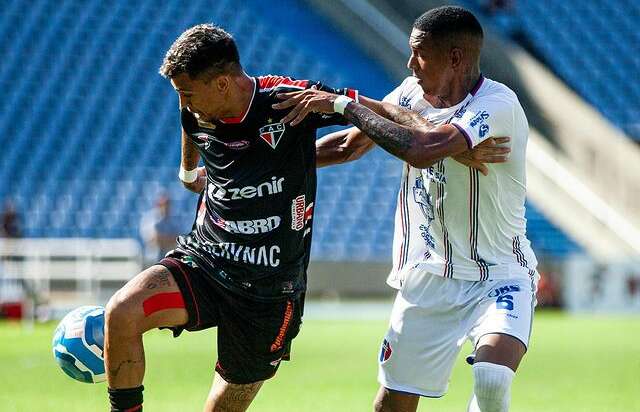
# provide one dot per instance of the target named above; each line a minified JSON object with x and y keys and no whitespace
{"x":485,"y":117}
{"x":394,"y":96}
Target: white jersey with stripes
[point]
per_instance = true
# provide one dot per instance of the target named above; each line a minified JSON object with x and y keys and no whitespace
{"x":450,"y":219}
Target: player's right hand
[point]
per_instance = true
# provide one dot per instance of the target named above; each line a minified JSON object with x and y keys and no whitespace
{"x":492,"y":150}
{"x":199,"y":184}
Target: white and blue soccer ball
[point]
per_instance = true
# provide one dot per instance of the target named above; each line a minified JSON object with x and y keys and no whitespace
{"x":78,"y":344}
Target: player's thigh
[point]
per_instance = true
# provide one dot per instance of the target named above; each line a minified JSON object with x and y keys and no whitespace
{"x":420,"y":347}
{"x":150,"y":300}
{"x":255,"y":337}
{"x":503,"y":331}
{"x":230,"y":397}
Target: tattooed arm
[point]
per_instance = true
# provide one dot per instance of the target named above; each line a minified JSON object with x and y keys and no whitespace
{"x":407,"y":135}
{"x":419,"y":145}
{"x":396,"y":113}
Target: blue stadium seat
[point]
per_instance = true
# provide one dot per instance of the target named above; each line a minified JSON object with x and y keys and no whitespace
{"x":95,"y":129}
{"x":595,"y":56}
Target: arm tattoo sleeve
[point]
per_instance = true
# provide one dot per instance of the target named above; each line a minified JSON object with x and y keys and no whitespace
{"x":404,"y":116}
{"x":392,"y":137}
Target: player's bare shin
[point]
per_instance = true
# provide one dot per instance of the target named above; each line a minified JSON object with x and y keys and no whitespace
{"x":230,"y":397}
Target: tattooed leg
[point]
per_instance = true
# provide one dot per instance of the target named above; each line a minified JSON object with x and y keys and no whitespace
{"x":126,"y":321}
{"x":230,"y":397}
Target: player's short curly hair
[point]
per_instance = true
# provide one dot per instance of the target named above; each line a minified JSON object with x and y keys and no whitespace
{"x":202,"y":49}
{"x":448,"y":21}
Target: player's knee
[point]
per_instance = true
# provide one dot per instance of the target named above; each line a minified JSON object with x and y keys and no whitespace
{"x":379,"y":406}
{"x":492,"y":386}
{"x":381,"y":402}
{"x":120,"y":316}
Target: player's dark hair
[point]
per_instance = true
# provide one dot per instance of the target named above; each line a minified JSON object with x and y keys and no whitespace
{"x":447,"y":22}
{"x":202,"y":49}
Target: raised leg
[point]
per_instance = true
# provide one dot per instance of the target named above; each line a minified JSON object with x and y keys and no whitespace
{"x":230,"y":397}
{"x":148,"y":301}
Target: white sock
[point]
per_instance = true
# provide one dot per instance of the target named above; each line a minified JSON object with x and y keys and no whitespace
{"x":492,"y":388}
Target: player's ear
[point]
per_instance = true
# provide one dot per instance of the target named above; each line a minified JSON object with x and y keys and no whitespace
{"x":222,"y":83}
{"x":455,"y":57}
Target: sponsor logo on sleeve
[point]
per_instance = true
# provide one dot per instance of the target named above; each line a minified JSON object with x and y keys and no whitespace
{"x":272,"y":133}
{"x":483,"y":130}
{"x":405,"y":102}
{"x":479,"y":118}
{"x":301,"y":213}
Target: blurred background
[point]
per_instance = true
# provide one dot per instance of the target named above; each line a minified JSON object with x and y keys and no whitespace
{"x":89,"y":193}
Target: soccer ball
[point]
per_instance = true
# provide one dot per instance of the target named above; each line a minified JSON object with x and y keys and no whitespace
{"x":78,"y":344}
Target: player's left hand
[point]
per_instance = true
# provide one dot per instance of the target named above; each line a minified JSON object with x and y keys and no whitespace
{"x":305,"y":102}
{"x":489,"y":151}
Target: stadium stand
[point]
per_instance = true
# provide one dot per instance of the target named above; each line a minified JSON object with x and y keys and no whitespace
{"x":90,"y":131}
{"x":594,"y":46}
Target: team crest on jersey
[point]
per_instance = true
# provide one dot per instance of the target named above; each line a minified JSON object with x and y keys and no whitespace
{"x":272,"y":133}
{"x":385,"y":351}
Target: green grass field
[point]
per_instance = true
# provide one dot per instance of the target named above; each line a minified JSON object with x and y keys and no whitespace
{"x":574,"y":364}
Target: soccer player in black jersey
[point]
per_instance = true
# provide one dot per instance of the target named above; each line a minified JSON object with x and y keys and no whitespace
{"x":243,"y":266}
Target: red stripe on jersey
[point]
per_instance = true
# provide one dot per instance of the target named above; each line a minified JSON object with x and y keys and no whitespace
{"x":269,"y":82}
{"x":162,"y":301}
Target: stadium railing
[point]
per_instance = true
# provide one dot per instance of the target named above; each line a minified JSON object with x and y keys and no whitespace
{"x":56,"y":274}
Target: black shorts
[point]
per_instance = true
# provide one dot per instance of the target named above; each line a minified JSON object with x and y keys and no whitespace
{"x":253,"y":336}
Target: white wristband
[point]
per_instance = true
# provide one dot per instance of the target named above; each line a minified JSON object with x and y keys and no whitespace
{"x":340,"y":103}
{"x":188,"y":176}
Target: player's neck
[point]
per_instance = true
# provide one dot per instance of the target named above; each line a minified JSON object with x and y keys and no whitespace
{"x":458,"y":91}
{"x":244,"y":89}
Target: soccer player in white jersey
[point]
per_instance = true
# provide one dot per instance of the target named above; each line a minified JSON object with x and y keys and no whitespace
{"x":462,"y":264}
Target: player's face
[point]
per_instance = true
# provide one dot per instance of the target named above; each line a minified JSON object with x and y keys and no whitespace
{"x":205,"y":99}
{"x":429,"y":63}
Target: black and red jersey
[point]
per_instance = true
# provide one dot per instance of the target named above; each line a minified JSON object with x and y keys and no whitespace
{"x":253,"y":227}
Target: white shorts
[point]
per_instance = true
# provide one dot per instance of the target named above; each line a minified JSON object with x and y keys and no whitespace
{"x":433,"y":316}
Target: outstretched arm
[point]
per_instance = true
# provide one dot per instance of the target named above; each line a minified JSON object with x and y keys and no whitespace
{"x":342,"y":146}
{"x":419,"y":143}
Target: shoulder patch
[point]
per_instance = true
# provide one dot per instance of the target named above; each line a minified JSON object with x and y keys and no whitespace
{"x":268,"y":83}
